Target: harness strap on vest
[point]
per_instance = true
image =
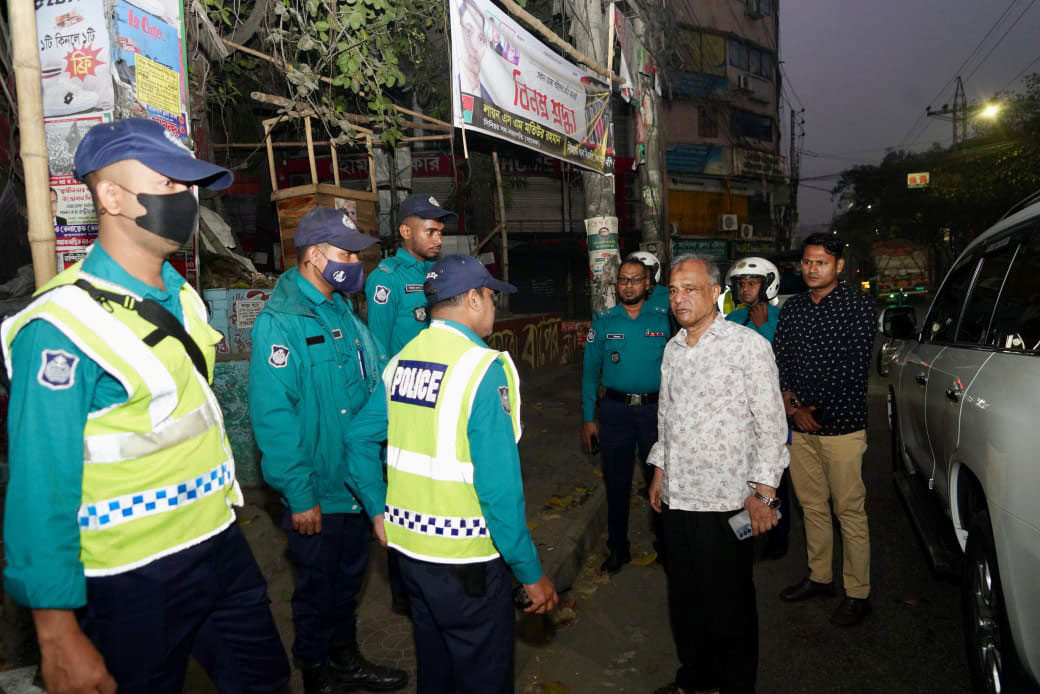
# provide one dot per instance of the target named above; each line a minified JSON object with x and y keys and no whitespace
{"x":166,"y":325}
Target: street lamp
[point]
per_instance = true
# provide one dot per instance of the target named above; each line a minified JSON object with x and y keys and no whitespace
{"x":990,"y":111}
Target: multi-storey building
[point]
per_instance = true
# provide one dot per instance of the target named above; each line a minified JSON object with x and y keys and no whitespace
{"x":726,"y":176}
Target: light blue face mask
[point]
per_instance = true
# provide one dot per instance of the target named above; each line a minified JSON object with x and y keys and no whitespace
{"x":345,"y":278}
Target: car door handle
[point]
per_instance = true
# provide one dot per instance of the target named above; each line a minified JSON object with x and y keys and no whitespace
{"x":953,"y":393}
{"x":921,"y":379}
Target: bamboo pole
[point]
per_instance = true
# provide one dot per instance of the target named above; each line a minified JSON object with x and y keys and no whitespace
{"x":310,"y":149}
{"x":33,"y":141}
{"x":371,"y":165}
{"x":504,"y":300}
{"x":335,"y":164}
{"x":550,"y":36}
{"x":610,"y":66}
{"x":270,"y":155}
{"x":490,"y":235}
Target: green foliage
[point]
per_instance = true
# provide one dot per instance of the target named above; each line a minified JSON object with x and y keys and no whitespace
{"x":972,"y":185}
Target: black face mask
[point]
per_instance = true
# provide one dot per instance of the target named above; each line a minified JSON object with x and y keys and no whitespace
{"x":172,"y":216}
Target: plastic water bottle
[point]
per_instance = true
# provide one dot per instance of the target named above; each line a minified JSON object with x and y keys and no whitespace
{"x":741,"y":524}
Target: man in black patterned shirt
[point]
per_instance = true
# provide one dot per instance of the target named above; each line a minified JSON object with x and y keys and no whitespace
{"x":823,"y":343}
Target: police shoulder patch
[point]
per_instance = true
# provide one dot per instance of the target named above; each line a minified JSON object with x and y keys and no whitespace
{"x":591,"y":337}
{"x":503,"y":396}
{"x":279,"y":357}
{"x":381,"y":294}
{"x":57,"y":370}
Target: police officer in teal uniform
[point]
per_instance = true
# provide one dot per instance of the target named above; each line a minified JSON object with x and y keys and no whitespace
{"x":658,"y":293}
{"x":623,"y":350}
{"x":396,"y":303}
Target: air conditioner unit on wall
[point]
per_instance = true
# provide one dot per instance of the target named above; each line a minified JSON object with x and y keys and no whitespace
{"x":746,"y":231}
{"x":744,"y":82}
{"x":728,"y":222}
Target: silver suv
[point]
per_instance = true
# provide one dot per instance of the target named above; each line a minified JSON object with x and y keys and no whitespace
{"x":964,"y":407}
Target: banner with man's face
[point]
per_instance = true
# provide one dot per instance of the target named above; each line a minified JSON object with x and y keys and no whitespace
{"x":508,"y":84}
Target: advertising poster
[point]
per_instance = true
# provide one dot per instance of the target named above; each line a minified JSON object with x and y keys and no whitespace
{"x":509,"y":85}
{"x":63,"y":137}
{"x":148,"y":54}
{"x":75,"y":59}
{"x":602,"y":238}
{"x":75,"y":223}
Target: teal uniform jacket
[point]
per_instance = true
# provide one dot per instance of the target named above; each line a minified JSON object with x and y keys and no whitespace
{"x":396,"y":303}
{"x":659,"y":297}
{"x":767,"y":329}
{"x":626,"y":352}
{"x":45,"y":430}
{"x":496,"y":466}
{"x":314,"y":364}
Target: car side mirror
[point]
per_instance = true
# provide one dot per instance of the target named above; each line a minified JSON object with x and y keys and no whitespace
{"x":899,"y":322}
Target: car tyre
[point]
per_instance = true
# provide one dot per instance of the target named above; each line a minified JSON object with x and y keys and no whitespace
{"x":992,"y":659}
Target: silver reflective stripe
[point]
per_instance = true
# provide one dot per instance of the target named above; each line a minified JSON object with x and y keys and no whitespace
{"x":111,"y":512}
{"x":441,"y":469}
{"x":451,"y":527}
{"x":114,"y":448}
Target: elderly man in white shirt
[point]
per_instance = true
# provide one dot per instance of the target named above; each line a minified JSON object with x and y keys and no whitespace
{"x":720,"y":450}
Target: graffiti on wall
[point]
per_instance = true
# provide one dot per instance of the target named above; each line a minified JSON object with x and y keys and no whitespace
{"x":534,"y":340}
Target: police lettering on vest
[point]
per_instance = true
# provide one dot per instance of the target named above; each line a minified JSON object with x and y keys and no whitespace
{"x":417,"y":382}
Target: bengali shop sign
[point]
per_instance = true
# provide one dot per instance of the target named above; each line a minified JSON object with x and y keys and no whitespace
{"x":509,"y":85}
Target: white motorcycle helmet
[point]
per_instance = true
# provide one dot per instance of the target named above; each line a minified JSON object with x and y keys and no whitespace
{"x":754,"y":267}
{"x":650,"y":260}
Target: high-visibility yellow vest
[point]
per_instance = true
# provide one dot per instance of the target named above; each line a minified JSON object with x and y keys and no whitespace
{"x":432,"y":510}
{"x":158,"y":472}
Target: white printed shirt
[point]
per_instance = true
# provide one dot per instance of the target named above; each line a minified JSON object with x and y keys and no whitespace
{"x":721,"y":420}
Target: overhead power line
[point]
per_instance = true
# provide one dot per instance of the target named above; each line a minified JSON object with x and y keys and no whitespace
{"x":1021,"y":72}
{"x":1000,"y":40}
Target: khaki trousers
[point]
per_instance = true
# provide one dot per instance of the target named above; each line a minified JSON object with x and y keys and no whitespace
{"x":826,"y":470}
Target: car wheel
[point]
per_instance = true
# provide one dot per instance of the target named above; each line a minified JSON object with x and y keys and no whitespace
{"x":992,"y":660}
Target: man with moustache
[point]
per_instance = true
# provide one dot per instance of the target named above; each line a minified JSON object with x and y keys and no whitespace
{"x":722,"y":449}
{"x":623,"y":350}
{"x":823,"y":343}
{"x":119,"y":531}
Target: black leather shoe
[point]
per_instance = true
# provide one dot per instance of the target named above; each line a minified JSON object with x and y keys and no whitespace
{"x":806,"y":589}
{"x":349,"y":669}
{"x":316,"y":679}
{"x":851,"y":612}
{"x":615,"y":561}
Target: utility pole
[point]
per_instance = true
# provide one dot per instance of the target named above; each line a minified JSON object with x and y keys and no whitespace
{"x":958,"y":113}
{"x":589,"y":32}
{"x":650,"y":122}
{"x":795,"y":165}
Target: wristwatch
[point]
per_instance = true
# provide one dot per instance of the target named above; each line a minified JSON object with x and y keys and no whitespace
{"x":770,"y":501}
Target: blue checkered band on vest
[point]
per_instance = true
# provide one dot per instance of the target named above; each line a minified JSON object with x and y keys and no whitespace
{"x":105,"y":514}
{"x":440,"y":526}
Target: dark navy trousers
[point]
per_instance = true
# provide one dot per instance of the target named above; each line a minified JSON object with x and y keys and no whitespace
{"x":464,"y":628}
{"x":623,"y":429}
{"x":209,"y":601}
{"x":330,"y":567}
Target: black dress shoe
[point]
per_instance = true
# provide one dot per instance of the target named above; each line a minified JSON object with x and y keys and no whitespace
{"x":316,"y":679}
{"x":615,"y":561}
{"x":349,"y":669}
{"x":851,"y":612}
{"x":806,"y":589}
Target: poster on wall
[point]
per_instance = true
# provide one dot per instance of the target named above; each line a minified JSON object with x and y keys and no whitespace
{"x":63,"y":137}
{"x":148,"y":61}
{"x":509,"y":85}
{"x":75,"y":222}
{"x":75,"y":61}
{"x":602,"y":238}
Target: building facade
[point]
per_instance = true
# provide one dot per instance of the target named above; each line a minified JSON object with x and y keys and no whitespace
{"x":727,"y":178}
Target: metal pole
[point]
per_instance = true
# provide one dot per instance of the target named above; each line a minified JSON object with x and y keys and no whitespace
{"x":505,"y":234}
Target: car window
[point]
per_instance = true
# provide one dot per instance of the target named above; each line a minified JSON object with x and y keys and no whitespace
{"x":978,"y":309}
{"x":942,"y":319}
{"x":1016,"y":322}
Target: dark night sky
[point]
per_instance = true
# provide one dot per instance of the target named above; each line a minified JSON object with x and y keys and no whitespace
{"x":865,"y":71}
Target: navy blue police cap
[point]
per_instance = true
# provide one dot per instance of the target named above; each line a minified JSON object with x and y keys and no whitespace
{"x":151,"y":144}
{"x":335,"y":227}
{"x":423,"y":206}
{"x":457,"y":273}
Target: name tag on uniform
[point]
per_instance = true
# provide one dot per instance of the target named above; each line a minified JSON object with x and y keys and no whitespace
{"x":651,"y":333}
{"x":615,"y":336}
{"x":412,"y":288}
{"x":417,"y":382}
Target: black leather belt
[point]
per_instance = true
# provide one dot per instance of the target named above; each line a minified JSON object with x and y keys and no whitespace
{"x":632,"y":399}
